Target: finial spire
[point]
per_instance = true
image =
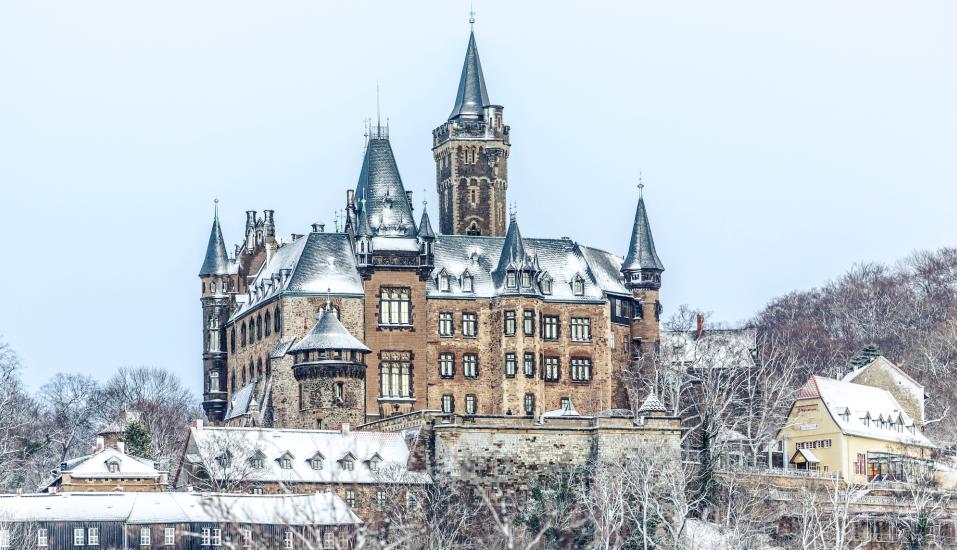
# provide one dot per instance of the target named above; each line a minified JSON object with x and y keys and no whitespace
{"x":378,"y":112}
{"x":216,"y":209}
{"x":641,"y":187}
{"x":512,"y":212}
{"x":472,"y":16}
{"x":328,"y":298}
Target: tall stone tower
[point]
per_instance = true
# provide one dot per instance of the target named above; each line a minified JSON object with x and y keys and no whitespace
{"x":216,"y":301}
{"x":642,"y":273}
{"x":471,"y":158}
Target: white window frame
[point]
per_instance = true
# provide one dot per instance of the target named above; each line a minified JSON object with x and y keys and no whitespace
{"x":471,"y":404}
{"x":287,"y":538}
{"x":217,"y":537}
{"x":511,"y":364}
{"x":470,"y":365}
{"x":446,"y":365}
{"x":446,"y":323}
{"x":145,"y":536}
{"x":43,"y":538}
{"x":93,"y":536}
{"x":469,"y":324}
{"x":206,"y":537}
{"x":581,"y":369}
{"x":581,"y":329}
{"x":79,"y":536}
{"x":169,"y":536}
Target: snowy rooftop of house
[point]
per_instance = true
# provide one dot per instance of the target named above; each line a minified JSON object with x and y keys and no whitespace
{"x":97,"y":464}
{"x":378,"y":457}
{"x":864,"y":411}
{"x":318,"y":264}
{"x":161,"y":507}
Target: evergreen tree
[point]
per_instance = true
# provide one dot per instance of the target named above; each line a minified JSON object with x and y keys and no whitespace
{"x":865,"y":356}
{"x":138,"y":440}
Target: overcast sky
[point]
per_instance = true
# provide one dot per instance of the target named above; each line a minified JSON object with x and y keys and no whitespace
{"x":780,"y":142}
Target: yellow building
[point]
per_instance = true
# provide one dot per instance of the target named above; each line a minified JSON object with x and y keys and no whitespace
{"x":859,"y":432}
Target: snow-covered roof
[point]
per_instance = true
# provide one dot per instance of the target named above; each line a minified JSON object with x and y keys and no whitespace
{"x":328,"y":333}
{"x":858,"y":410}
{"x":896,"y":375}
{"x":318,"y":264}
{"x":808,"y":455}
{"x":568,"y":409}
{"x":242,"y":398}
{"x":162,"y":507}
{"x":206,"y":443}
{"x":96,"y":465}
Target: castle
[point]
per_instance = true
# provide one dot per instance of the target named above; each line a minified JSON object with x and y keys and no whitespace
{"x":389,"y":316}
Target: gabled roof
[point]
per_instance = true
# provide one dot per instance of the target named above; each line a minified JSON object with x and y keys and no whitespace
{"x":472,"y":97}
{"x":641,"y":249}
{"x":328,"y":333}
{"x":96,"y":465}
{"x":216,"y":261}
{"x":381,"y":195}
{"x":862,"y":402}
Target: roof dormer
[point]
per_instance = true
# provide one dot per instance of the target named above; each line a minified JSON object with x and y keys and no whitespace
{"x":285,"y":460}
{"x":373,"y":462}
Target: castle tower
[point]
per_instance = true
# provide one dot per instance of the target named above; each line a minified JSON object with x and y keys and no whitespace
{"x":471,"y":158}
{"x":215,"y":299}
{"x":329,"y":365}
{"x":642,"y":274}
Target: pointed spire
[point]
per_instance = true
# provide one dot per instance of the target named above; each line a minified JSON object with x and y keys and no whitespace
{"x":641,"y":250}
{"x":513,"y":254}
{"x":380,"y":186}
{"x":425,"y":226}
{"x":328,"y":333}
{"x":651,"y":404}
{"x":216,"y":261}
{"x":472,"y":96}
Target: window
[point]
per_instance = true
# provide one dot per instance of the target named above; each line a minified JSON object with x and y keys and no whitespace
{"x":287,"y":538}
{"x":316,"y":462}
{"x":526,"y":279}
{"x":285,"y":462}
{"x":470,"y":365}
{"x":79,"y":537}
{"x":217,"y":537}
{"x":528,"y":365}
{"x":232,"y":340}
{"x":257,"y":490}
{"x":374,"y":464}
{"x":395,"y":306}
{"x":565,"y":403}
{"x":339,"y":391}
{"x":206,"y":538}
{"x":578,"y":286}
{"x":256,"y":461}
{"x":328,"y":539}
{"x":444,"y":283}
{"x":446,"y":326}
{"x":510,"y":281}
{"x":551,"y":369}
{"x":42,"y":538}
{"x":268,"y":322}
{"x":247,"y":537}
{"x":114,"y":467}
{"x":581,"y":329}
{"x":214,"y":381}
{"x":509,"y":323}
{"x":169,"y":536}
{"x":448,"y":403}
{"x":144,"y":536}
{"x":446,"y":365}
{"x":550,"y":327}
{"x":469,"y":325}
{"x":380,"y":498}
{"x":546,"y":285}
{"x":467,"y":285}
{"x":528,"y":323}
{"x":581,"y":369}
{"x":259,"y":327}
{"x":471,"y":405}
{"x":351,"y":498}
{"x":511,"y":365}
{"x":396,"y":376}
{"x":529,"y":404}
{"x":93,"y":536}
{"x":348,"y":464}
{"x":276,"y":324}
{"x":411,"y":503}
{"x":242,"y":335}
{"x":4,"y":538}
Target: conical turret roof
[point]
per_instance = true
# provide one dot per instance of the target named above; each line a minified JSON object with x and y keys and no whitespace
{"x":328,"y":333}
{"x":641,"y":250}
{"x":513,"y":249}
{"x":383,"y":196}
{"x":652,"y":404}
{"x":425,"y":226}
{"x":472,"y":97}
{"x":216,"y":261}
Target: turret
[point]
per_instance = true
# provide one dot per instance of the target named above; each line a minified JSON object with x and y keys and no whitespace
{"x":217,"y":284}
{"x":517,"y":271}
{"x":471,"y":150}
{"x":426,"y":241}
{"x":329,"y":365}
{"x":641,"y":272}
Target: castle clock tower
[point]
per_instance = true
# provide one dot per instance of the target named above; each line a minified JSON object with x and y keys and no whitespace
{"x":471,"y":158}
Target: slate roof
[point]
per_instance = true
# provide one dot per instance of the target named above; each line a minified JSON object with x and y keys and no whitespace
{"x":150,"y":508}
{"x":208,"y":442}
{"x":319,"y":263}
{"x":472,"y":96}
{"x":328,"y":333}
{"x":239,"y":405}
{"x":216,"y":261}
{"x":425,"y":226}
{"x":381,"y":195}
{"x":652,"y":404}
{"x":641,"y":250}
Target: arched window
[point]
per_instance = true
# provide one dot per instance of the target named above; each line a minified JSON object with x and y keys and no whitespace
{"x":242,"y":335}
{"x":473,"y":230}
{"x":268,"y":367}
{"x":232,"y":340}
{"x":259,"y":327}
{"x":259,"y":367}
{"x":268,"y":323}
{"x":276,"y":323}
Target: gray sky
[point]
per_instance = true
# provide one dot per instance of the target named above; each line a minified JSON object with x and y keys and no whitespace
{"x":780,"y":142}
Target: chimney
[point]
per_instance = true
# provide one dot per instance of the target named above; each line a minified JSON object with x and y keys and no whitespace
{"x":100,"y":443}
{"x":700,"y":331}
{"x":344,"y":428}
{"x":268,"y":223}
{"x":198,"y":424}
{"x":318,"y":227}
{"x":121,"y":447}
{"x":250,"y":220}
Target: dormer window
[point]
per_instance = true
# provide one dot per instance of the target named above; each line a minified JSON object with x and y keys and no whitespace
{"x":510,"y":281}
{"x":526,"y":279}
{"x":285,"y":461}
{"x":444,"y":282}
{"x":113,"y":466}
{"x":257,"y":460}
{"x":866,"y":419}
{"x":374,"y":463}
{"x":224,"y":460}
{"x":467,"y":281}
{"x":316,"y":461}
{"x":348,"y":462}
{"x":578,"y":285}
{"x":546,"y":285}
{"x":846,"y":414}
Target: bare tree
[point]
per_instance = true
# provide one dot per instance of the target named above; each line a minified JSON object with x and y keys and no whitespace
{"x":17,"y":420}
{"x":70,"y":406}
